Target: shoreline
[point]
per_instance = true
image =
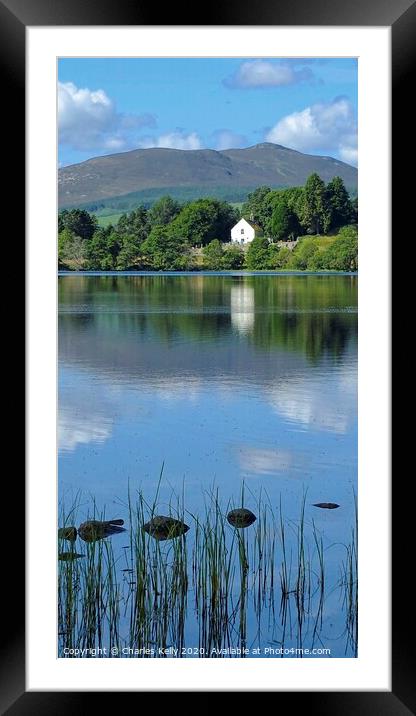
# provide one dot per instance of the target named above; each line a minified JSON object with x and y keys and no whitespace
{"x":207,"y":273}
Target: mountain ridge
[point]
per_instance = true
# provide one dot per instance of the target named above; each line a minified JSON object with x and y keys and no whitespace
{"x":114,"y":175}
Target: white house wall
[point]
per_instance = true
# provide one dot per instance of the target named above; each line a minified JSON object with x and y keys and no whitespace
{"x":242,"y":233}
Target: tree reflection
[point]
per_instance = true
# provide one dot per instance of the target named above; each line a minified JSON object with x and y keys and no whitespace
{"x":313,"y":316}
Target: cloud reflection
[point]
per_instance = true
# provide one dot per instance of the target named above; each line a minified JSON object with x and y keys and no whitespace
{"x":315,"y":405}
{"x":80,"y":429}
{"x":85,"y":414}
{"x":176,"y":388}
{"x":264,"y":462}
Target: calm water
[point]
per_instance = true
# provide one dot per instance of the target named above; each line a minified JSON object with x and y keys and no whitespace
{"x":224,"y":380}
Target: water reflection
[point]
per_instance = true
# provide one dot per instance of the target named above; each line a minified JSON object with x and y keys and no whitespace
{"x":80,"y":427}
{"x":86,"y":415}
{"x":313,"y":316}
{"x":124,"y":324}
{"x":242,"y":308}
{"x":263,"y":462}
{"x":236,"y":376}
{"x":222,"y":380}
{"x":322,"y":402}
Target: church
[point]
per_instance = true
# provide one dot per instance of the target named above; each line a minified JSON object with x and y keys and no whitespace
{"x":244,"y":232}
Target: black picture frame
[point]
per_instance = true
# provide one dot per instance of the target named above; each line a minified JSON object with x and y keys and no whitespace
{"x":15,"y":16}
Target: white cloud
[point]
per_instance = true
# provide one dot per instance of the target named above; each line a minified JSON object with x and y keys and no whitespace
{"x":348,"y":150}
{"x":227,"y":139}
{"x":326,"y":127}
{"x":173,"y":140}
{"x":261,"y":73}
{"x":88,"y":120}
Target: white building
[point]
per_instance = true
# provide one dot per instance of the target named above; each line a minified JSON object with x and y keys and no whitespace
{"x":243,"y":232}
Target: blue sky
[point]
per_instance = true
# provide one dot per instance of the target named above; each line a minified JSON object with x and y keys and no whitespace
{"x":110,"y":105}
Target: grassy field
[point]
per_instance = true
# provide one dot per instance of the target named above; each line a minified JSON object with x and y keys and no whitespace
{"x":106,"y":216}
{"x":148,"y":197}
{"x":106,"y":219}
{"x":322,"y":242}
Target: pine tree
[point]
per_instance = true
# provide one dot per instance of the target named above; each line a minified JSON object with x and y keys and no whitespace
{"x":314,"y":205}
{"x":340,"y":205}
{"x":284,"y":224}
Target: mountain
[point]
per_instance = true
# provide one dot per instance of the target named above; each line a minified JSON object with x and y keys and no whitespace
{"x":201,"y":170}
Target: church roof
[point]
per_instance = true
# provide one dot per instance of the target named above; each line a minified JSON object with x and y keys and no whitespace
{"x":254,"y":226}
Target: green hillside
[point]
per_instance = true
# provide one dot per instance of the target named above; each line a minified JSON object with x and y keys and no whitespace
{"x":121,"y":181}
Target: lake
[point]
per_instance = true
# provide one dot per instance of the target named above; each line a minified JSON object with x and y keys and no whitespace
{"x":198,"y":387}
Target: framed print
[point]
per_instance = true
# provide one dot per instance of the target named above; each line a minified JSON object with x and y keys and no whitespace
{"x":151,"y":368}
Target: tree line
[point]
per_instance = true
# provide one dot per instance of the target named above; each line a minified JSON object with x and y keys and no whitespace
{"x":196,"y":235}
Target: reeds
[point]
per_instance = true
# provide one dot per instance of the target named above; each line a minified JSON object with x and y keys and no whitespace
{"x":210,"y":590}
{"x":349,"y":584}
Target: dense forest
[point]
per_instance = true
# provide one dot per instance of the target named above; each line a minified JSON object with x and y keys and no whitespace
{"x":313,"y":227}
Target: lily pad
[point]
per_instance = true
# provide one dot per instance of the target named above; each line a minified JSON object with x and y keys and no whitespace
{"x":68,"y":533}
{"x":163,"y":528}
{"x":241,"y":517}
{"x":93,"y":530}
{"x":326,"y":505}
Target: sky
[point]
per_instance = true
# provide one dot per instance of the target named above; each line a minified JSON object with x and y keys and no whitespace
{"x":111,"y":105}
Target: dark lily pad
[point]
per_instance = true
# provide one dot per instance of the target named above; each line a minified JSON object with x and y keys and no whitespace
{"x":68,"y":533}
{"x":241,"y":517}
{"x":93,"y":530}
{"x":326,"y":505}
{"x":163,"y":528}
{"x":69,"y":556}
